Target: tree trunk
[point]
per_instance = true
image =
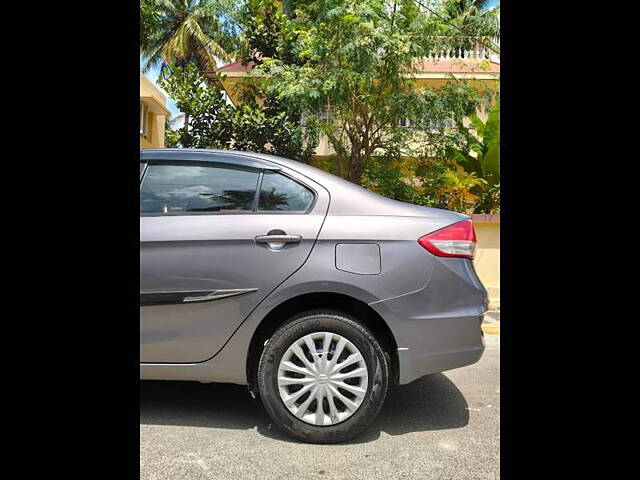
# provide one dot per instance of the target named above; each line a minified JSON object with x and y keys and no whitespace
{"x":185,"y":132}
{"x":340,"y":166}
{"x":356,"y":166}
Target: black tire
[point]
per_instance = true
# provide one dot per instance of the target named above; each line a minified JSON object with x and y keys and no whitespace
{"x":374,"y":358}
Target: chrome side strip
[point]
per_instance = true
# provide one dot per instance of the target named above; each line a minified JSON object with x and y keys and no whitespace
{"x":168,"y":298}
{"x":217,"y":294}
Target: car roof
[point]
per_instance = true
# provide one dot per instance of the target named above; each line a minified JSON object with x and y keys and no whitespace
{"x":247,"y":159}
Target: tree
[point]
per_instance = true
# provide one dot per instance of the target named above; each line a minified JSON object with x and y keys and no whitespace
{"x":457,"y":189}
{"x":183,"y":31}
{"x":211,"y":122}
{"x":266,"y":30}
{"x":481,"y":151}
{"x":353,"y":72}
{"x":480,"y":154}
{"x":149,"y":22}
{"x":473,"y":18}
{"x":203,"y":105}
{"x":171,"y":136}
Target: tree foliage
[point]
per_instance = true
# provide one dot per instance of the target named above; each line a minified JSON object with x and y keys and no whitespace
{"x":480,"y":155}
{"x":183,"y":31}
{"x":212,"y":122}
{"x":474,"y":17}
{"x":267,"y":31}
{"x":431,"y":182}
{"x":353,"y":71}
{"x":481,"y":149}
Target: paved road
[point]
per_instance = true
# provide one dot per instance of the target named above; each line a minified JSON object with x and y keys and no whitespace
{"x":445,"y":426}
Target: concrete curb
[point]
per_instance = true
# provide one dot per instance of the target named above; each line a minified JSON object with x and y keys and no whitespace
{"x":491,"y":328}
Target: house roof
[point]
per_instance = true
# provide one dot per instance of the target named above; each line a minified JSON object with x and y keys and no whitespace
{"x":442,"y":65}
{"x":237,"y":67}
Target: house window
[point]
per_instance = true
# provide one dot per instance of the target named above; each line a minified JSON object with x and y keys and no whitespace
{"x":434,"y":124}
{"x":144,"y":120}
{"x":404,"y":122}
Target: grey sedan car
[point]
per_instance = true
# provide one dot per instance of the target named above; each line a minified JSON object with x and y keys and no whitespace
{"x":316,"y":293}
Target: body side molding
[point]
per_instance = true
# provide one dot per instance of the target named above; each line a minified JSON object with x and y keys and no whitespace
{"x":188,"y":296}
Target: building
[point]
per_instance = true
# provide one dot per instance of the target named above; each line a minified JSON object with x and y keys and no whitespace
{"x":153,"y":112}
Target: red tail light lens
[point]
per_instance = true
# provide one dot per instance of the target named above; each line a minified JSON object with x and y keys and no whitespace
{"x":457,"y":240}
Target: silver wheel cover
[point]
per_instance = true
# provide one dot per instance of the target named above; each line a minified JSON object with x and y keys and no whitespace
{"x":322,"y":378}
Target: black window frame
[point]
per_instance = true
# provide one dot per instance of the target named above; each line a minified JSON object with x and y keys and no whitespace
{"x":228,"y":165}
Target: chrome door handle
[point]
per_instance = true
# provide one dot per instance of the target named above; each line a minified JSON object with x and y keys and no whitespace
{"x":277,"y":242}
{"x":278,"y":238}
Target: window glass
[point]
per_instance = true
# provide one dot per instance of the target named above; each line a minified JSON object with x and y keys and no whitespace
{"x":279,"y":193}
{"x":197,"y":188}
{"x":142,"y":165}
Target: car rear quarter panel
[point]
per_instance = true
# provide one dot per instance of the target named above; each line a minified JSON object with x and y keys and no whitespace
{"x":438,"y":327}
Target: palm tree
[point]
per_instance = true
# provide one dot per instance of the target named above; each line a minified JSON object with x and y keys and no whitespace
{"x":182,"y":31}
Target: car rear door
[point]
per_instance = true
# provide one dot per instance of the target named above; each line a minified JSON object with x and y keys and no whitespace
{"x":218,"y":233}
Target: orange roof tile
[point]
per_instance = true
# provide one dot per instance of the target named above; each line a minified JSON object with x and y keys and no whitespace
{"x":237,"y":67}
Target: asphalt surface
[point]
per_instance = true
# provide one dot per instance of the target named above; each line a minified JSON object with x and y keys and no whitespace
{"x":444,"y":426}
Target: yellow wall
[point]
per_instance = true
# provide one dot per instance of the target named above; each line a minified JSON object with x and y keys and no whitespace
{"x":487,"y":258}
{"x":156,"y":101}
{"x":155,"y":138}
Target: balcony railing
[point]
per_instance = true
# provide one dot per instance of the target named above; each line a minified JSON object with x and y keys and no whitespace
{"x":465,"y":47}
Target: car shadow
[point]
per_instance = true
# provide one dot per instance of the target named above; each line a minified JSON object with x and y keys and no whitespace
{"x":430,"y":403}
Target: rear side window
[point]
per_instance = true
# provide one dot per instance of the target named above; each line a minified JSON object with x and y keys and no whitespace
{"x":197,"y":188}
{"x":280,"y":193}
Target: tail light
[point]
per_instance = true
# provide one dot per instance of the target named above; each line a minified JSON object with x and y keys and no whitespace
{"x":457,"y":240}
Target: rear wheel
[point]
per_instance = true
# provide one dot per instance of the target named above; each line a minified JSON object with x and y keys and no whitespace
{"x":322,"y":377}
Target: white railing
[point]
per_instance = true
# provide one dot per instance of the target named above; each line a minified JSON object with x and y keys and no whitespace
{"x":470,"y":47}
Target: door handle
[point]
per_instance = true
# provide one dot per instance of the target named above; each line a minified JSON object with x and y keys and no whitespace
{"x":277,"y":242}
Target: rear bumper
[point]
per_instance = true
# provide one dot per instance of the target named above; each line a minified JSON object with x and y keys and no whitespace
{"x":421,"y":359}
{"x":438,"y":328}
